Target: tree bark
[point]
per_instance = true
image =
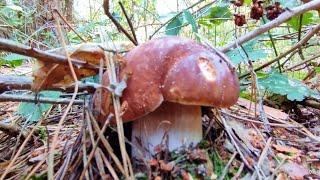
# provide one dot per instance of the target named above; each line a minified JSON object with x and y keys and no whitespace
{"x":69,"y":10}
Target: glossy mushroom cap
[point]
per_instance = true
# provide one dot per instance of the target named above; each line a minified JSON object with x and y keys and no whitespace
{"x":172,"y":69}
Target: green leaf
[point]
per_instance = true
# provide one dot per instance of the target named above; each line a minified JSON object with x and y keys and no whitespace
{"x":289,"y":3}
{"x":307,"y":18}
{"x":218,"y":14}
{"x":317,"y":69}
{"x":15,"y":7}
{"x":247,"y":2}
{"x":33,"y":112}
{"x":13,"y":59}
{"x":174,"y":27}
{"x":190,"y":19}
{"x":280,"y":84}
{"x":238,"y":55}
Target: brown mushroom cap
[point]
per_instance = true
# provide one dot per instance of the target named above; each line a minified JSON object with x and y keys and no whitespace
{"x":172,"y":69}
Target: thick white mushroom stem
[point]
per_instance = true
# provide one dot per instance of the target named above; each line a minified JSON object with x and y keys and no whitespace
{"x":181,"y":122}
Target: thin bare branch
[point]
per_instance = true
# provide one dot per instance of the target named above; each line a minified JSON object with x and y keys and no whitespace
{"x":34,"y":99}
{"x":302,"y":42}
{"x":226,"y":168}
{"x":302,"y":63}
{"x":14,"y":47}
{"x":65,"y":113}
{"x":116,"y":23}
{"x":312,"y":5}
{"x":66,"y":22}
{"x":11,"y":82}
{"x":129,"y":21}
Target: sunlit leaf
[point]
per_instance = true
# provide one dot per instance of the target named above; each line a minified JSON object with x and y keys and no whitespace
{"x":174,"y":27}
{"x":13,"y":59}
{"x":217,"y":15}
{"x":289,"y":3}
{"x":307,"y":18}
{"x":15,"y":7}
{"x":237,"y":55}
{"x":190,"y":19}
{"x":247,"y":2}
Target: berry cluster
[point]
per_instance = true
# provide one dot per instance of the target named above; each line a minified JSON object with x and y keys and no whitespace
{"x":257,"y":11}
{"x":273,"y":11}
{"x":240,"y":19}
{"x":237,"y":3}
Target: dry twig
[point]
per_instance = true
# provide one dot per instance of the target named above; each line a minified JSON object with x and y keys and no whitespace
{"x":13,"y":130}
{"x":34,"y":99}
{"x":76,"y":87}
{"x":129,"y":21}
{"x":116,"y":23}
{"x":302,"y":42}
{"x":312,"y":5}
{"x":10,"y":46}
{"x":13,"y":160}
{"x":226,"y":168}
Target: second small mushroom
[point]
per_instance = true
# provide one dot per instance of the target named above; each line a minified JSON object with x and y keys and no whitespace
{"x":170,"y":78}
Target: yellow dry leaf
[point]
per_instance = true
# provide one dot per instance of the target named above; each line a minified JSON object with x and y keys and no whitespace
{"x":51,"y":75}
{"x":286,"y":149}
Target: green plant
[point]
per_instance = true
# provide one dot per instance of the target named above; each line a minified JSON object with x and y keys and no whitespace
{"x":34,"y":111}
{"x":280,"y":84}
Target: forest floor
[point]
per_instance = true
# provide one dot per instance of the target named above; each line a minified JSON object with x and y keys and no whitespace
{"x":239,"y":142}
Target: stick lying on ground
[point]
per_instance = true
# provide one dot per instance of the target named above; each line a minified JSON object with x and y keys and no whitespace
{"x":31,"y":98}
{"x":11,"y":82}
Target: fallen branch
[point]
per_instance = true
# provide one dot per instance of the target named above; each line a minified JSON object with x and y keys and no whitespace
{"x":312,"y":5}
{"x":226,"y":168}
{"x":11,"y":46}
{"x":311,"y":103}
{"x":11,"y":82}
{"x":12,"y":130}
{"x":34,"y":99}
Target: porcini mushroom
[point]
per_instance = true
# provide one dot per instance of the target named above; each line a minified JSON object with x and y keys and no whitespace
{"x":170,"y":78}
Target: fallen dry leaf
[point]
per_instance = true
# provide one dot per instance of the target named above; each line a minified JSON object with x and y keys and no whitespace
{"x":282,"y":176}
{"x":244,"y":133}
{"x":51,"y":75}
{"x":256,"y":139}
{"x":166,"y":167}
{"x":294,"y":170}
{"x":286,"y":149}
{"x":153,"y":162}
{"x":198,"y":155}
{"x":271,"y":112}
{"x":185,"y":175}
